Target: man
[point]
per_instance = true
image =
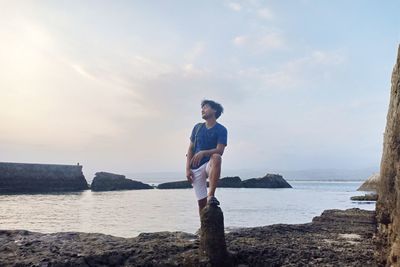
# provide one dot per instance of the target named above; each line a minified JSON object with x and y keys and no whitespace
{"x":207,"y":143}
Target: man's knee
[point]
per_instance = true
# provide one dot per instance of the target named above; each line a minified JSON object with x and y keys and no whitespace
{"x":216,"y":159}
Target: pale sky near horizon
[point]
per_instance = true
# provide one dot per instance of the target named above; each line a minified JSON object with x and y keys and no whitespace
{"x":117,"y":85}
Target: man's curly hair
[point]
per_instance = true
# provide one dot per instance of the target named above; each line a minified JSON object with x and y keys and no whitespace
{"x":215,"y":106}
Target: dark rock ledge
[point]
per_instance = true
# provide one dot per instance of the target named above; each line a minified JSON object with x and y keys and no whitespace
{"x":336,"y":238}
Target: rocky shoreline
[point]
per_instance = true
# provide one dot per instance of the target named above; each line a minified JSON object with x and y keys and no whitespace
{"x":336,"y":238}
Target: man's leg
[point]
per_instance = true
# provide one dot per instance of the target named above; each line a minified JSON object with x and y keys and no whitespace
{"x":215,"y":172}
{"x":202,"y":203}
{"x":200,"y":185}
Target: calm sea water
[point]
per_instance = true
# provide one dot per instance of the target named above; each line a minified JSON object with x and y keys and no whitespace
{"x":128,"y":213}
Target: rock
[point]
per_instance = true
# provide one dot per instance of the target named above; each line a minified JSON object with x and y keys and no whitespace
{"x":34,"y":178}
{"x":175,"y":185}
{"x":371,"y":184}
{"x":366,"y":197}
{"x":105,"y":181}
{"x":212,"y":236}
{"x":388,"y":204}
{"x":336,"y":238}
{"x":229,"y":182}
{"x":268,"y":181}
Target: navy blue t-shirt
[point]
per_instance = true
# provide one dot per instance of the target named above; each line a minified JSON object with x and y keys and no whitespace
{"x":208,"y":138}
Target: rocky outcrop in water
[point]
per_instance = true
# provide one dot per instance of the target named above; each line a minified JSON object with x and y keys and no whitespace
{"x":268,"y":181}
{"x":366,"y":197}
{"x":175,"y":185}
{"x":231,"y":182}
{"x":105,"y":181}
{"x":371,"y":184}
{"x":388,"y":204}
{"x":336,"y":238}
{"x":35,"y":178}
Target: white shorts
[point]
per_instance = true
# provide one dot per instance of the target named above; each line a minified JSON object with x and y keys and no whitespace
{"x":200,"y":180}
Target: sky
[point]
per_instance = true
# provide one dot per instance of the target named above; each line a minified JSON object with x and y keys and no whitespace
{"x":117,"y":85}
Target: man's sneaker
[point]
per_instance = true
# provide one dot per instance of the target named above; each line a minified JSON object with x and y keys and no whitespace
{"x":212,"y":201}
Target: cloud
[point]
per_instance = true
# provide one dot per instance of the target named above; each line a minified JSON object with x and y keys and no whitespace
{"x":271,"y":41}
{"x":297,"y":73}
{"x":260,"y":42}
{"x":197,"y":50}
{"x":265,"y":13}
{"x":234,"y":6}
{"x":240,"y":40}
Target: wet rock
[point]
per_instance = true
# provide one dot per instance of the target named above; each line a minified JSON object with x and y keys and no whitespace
{"x":105,"y":181}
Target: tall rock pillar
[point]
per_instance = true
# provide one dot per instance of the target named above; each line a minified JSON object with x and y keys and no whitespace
{"x":212,"y":237}
{"x":388,"y":204}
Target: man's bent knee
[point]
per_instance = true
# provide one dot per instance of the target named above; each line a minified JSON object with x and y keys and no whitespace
{"x":216,"y":158}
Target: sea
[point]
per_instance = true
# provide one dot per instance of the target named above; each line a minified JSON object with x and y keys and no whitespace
{"x":131,"y":212}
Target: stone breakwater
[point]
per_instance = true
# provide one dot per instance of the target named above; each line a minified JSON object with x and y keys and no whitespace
{"x":336,"y":238}
{"x":31,"y":178}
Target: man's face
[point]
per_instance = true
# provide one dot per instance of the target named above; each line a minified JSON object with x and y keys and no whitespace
{"x":207,"y":112}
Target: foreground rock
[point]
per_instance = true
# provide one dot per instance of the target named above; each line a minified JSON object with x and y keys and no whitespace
{"x":268,"y":181}
{"x":35,"y":178}
{"x":388,"y":204}
{"x":336,"y":238}
{"x":105,"y":181}
{"x":371,"y":184}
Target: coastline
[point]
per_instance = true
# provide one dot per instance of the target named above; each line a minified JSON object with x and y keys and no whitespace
{"x":336,"y":237}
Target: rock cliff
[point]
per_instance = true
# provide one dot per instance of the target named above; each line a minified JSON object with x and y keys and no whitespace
{"x":105,"y":181}
{"x":388,"y":204}
{"x":32,"y":178}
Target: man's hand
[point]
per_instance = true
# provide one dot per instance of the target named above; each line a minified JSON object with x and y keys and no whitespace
{"x":195,"y":162}
{"x":189,"y":175}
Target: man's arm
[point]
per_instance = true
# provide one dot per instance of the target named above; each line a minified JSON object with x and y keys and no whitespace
{"x":218,"y":150}
{"x":189,"y":157}
{"x":206,"y":153}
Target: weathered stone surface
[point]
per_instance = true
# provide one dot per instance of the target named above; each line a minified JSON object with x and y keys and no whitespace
{"x":105,"y":181}
{"x":371,"y":184}
{"x":212,"y":236}
{"x":336,"y":238}
{"x":33,"y":178}
{"x":388,"y":204}
{"x":268,"y":181}
{"x":175,"y":185}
